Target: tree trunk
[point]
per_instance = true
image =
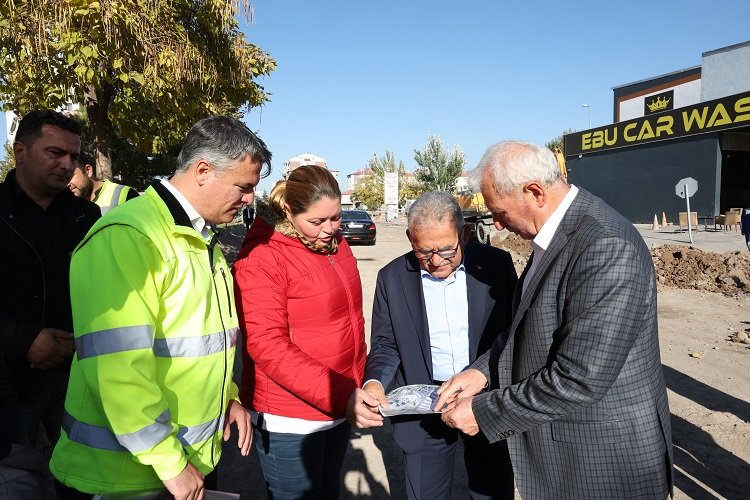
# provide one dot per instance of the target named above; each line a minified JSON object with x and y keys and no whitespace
{"x":97,"y":100}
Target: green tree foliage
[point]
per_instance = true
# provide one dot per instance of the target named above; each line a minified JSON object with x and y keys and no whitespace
{"x":371,"y":189}
{"x":134,"y":167}
{"x":410,"y":191}
{"x":438,"y":168}
{"x":263,"y":196}
{"x":145,"y":70}
{"x":138,"y":169}
{"x":559,"y":141}
{"x":7,"y":163}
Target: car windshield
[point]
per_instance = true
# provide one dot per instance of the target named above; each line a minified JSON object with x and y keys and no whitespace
{"x":354,"y":215}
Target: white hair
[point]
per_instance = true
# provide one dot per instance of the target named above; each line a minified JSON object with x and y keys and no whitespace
{"x":511,"y":164}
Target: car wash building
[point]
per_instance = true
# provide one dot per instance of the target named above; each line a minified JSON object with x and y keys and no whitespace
{"x":693,"y":123}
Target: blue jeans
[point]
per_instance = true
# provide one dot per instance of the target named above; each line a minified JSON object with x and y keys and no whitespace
{"x":302,"y":466}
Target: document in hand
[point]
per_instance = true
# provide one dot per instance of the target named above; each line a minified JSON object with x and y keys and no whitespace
{"x":411,"y":400}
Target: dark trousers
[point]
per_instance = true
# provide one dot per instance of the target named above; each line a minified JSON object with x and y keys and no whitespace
{"x":42,"y":403}
{"x":67,"y":493}
{"x":429,"y":470}
{"x":303,"y":466}
{"x":21,"y":474}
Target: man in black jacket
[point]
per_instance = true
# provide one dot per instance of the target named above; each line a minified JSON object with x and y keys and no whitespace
{"x":41,"y":222}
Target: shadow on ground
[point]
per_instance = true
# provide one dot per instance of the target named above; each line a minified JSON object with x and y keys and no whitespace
{"x":695,"y":450}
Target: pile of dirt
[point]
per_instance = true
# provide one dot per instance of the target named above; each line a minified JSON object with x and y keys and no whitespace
{"x":690,"y":268}
{"x":519,"y":248}
{"x":683,"y":267}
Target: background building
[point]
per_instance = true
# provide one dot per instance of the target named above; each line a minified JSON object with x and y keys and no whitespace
{"x":692,"y":123}
{"x":356,"y":177}
{"x":307,"y":159}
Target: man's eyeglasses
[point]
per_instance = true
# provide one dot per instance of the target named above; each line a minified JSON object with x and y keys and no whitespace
{"x":443,"y":254}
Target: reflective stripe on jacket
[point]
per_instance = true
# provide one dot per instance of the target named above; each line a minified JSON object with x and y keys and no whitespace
{"x":110,"y":195}
{"x":156,"y":330}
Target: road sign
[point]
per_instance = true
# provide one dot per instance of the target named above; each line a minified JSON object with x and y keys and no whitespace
{"x":686,"y":188}
{"x":689,"y":183}
{"x":390,"y":182}
{"x":391,"y":188}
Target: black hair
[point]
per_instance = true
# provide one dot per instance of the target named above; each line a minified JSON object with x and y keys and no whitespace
{"x":30,"y":126}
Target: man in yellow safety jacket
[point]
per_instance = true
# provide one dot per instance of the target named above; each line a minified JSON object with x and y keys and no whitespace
{"x":151,"y":392}
{"x":107,"y":194}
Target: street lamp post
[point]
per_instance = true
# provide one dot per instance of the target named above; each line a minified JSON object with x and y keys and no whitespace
{"x":589,"y":109}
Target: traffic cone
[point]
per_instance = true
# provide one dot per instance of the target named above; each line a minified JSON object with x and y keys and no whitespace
{"x":663,"y":219}
{"x":656,"y":224}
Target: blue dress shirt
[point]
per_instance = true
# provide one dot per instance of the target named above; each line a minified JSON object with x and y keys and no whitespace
{"x":447,"y":306}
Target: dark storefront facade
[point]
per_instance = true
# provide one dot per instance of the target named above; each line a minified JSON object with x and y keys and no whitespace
{"x":635,"y":164}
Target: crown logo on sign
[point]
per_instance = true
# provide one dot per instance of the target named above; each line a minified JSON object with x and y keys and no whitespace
{"x":658,"y":104}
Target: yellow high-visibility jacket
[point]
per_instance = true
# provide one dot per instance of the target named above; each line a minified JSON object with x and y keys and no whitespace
{"x":110,"y":195}
{"x":155,"y":329}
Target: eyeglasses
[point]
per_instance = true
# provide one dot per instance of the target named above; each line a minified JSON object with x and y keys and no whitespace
{"x":443,"y":254}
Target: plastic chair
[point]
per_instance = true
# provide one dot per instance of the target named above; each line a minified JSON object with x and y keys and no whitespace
{"x":683,"y":220}
{"x":732,"y":219}
{"x":719,"y":221}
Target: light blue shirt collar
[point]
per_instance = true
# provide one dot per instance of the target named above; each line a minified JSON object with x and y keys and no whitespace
{"x":451,"y":278}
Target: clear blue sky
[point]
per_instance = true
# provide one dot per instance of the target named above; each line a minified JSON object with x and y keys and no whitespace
{"x":356,"y":78}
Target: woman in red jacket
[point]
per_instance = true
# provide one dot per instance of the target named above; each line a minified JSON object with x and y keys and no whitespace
{"x":299,"y":293}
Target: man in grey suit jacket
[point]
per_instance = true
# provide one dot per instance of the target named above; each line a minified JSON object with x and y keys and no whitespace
{"x":578,"y":390}
{"x":436,"y":309}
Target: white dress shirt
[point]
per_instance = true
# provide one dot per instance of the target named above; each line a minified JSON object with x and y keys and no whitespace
{"x":198,"y":222}
{"x":543,"y":238}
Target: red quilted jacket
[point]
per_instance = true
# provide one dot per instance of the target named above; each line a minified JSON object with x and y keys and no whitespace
{"x":302,"y":325}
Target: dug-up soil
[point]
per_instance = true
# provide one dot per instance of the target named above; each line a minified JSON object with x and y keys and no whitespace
{"x":682,"y":267}
{"x":689,"y":268}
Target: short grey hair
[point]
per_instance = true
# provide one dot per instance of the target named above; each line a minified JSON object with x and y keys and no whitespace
{"x":221,"y":141}
{"x":433,"y":208}
{"x":509,"y":165}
